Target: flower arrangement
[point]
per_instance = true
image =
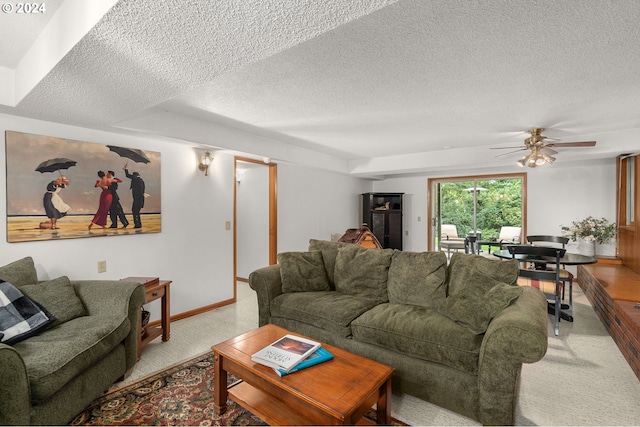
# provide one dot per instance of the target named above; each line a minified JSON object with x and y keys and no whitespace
{"x":591,"y":229}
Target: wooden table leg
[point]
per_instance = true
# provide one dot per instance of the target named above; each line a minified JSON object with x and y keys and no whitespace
{"x":384,"y":404}
{"x":139,"y":333}
{"x":219,"y":386}
{"x":166,"y":314}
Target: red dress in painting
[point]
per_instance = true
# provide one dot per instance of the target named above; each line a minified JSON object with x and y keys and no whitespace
{"x":100,"y":218}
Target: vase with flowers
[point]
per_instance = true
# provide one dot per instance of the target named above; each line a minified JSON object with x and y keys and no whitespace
{"x":590,"y":231}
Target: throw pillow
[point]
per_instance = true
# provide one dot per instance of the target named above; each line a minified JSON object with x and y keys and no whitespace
{"x":363,"y":271}
{"x":20,"y":317}
{"x":480,"y":302}
{"x":463,"y":266}
{"x":58,"y":297}
{"x":20,"y":273}
{"x":329,"y":253}
{"x":418,"y":278}
{"x":303,"y":271}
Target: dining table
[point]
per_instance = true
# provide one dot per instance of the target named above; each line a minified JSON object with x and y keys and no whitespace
{"x":567,"y":259}
{"x":540,"y":262}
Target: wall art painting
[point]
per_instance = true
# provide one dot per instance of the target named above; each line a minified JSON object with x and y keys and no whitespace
{"x":64,"y":189}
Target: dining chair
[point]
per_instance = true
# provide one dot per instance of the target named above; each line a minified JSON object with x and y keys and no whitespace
{"x":449,"y":239}
{"x":548,"y":281}
{"x":565,"y":275}
{"x":510,"y":235}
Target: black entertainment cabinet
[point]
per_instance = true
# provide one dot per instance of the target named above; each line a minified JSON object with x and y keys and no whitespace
{"x":382,"y":212}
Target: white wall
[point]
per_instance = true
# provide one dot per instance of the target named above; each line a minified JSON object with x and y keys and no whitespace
{"x":193,"y":250}
{"x":315,"y":204}
{"x":193,"y":242}
{"x":556,"y":195}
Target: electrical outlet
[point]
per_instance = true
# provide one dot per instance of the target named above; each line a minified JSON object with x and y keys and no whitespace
{"x":227,"y":225}
{"x":102,"y":266}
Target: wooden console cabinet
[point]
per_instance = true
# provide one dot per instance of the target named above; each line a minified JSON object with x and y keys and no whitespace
{"x":154,"y":289}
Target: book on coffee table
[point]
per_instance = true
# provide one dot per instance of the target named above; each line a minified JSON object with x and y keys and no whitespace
{"x":317,"y":357}
{"x":286,"y":352}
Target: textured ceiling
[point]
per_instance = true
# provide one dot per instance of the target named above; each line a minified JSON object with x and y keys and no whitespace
{"x":373,"y":88}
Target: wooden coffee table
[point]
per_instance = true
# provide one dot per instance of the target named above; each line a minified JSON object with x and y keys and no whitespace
{"x":337,"y":392}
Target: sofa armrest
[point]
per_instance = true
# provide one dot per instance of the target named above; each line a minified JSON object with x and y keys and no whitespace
{"x":267,"y":283}
{"x":15,"y":403}
{"x":517,"y":335}
{"x":113,"y":297}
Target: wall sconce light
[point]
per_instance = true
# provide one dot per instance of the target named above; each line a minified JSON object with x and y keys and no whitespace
{"x":205,"y":162}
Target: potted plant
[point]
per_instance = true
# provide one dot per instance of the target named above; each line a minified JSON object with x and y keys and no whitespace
{"x":590,"y":231}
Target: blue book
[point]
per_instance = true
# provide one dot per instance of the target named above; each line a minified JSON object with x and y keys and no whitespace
{"x":319,"y":356}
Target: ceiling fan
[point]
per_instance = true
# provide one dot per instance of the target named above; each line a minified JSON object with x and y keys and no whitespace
{"x":541,"y":151}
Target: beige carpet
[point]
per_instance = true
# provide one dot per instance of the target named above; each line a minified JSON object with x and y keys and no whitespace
{"x":583,"y":379}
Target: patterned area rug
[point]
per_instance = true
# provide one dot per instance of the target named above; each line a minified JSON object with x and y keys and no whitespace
{"x":180,"y":395}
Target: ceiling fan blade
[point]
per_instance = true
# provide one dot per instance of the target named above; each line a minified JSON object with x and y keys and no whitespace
{"x":548,"y":150}
{"x":510,"y":152}
{"x":546,"y":138}
{"x":572,"y":144}
{"x":504,"y":148}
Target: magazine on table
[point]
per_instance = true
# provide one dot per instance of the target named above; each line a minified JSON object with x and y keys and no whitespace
{"x":286,"y":352}
{"x":317,"y":357}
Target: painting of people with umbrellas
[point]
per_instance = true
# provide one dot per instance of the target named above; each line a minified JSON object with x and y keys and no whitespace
{"x":61,"y":188}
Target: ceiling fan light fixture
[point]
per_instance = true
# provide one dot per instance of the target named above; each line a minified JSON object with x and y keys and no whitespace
{"x":521,"y":162}
{"x":540,"y":161}
{"x":549,"y":159}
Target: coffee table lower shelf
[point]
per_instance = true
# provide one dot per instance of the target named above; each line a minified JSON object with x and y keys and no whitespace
{"x":269,"y":409}
{"x":264,"y":406}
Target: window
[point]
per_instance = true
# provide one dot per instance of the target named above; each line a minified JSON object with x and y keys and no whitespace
{"x":477,"y":204}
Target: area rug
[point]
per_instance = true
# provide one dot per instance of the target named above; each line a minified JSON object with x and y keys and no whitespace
{"x":179,"y":395}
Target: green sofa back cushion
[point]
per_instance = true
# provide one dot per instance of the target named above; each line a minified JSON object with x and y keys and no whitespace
{"x":329,"y":253}
{"x":58,"y":297}
{"x":363,"y":272}
{"x":479,"y":302}
{"x":463,"y":266}
{"x":20,"y":273}
{"x":418,"y":278}
{"x":303,"y":272}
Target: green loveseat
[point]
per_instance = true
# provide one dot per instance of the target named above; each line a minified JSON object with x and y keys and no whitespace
{"x":50,"y":377}
{"x":457,"y":335}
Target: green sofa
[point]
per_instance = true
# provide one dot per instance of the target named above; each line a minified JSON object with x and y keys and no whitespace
{"x":51,"y":376}
{"x":457,"y":334}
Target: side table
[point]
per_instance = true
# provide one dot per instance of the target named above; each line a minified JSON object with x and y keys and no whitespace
{"x":154,"y":289}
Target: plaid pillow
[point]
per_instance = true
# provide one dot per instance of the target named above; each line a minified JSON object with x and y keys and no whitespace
{"x":20,"y":317}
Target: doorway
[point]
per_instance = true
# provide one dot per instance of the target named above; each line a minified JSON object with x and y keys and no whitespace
{"x":254,"y":217}
{"x":479,"y":205}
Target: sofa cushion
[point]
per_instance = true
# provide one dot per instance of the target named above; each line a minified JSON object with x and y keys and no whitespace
{"x":463,"y":266}
{"x":57,"y":355}
{"x":58,"y":297}
{"x":20,"y":317}
{"x":363,"y":272}
{"x":329,"y":310}
{"x":303,"y":271}
{"x":20,"y":273}
{"x":418,"y":278}
{"x":480,"y":301}
{"x":329,"y":253}
{"x":419,"y":332}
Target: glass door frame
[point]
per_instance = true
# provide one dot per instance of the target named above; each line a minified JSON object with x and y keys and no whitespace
{"x":433,"y":224}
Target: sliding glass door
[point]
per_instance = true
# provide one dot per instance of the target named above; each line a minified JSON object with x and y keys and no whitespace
{"x":479,"y":205}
